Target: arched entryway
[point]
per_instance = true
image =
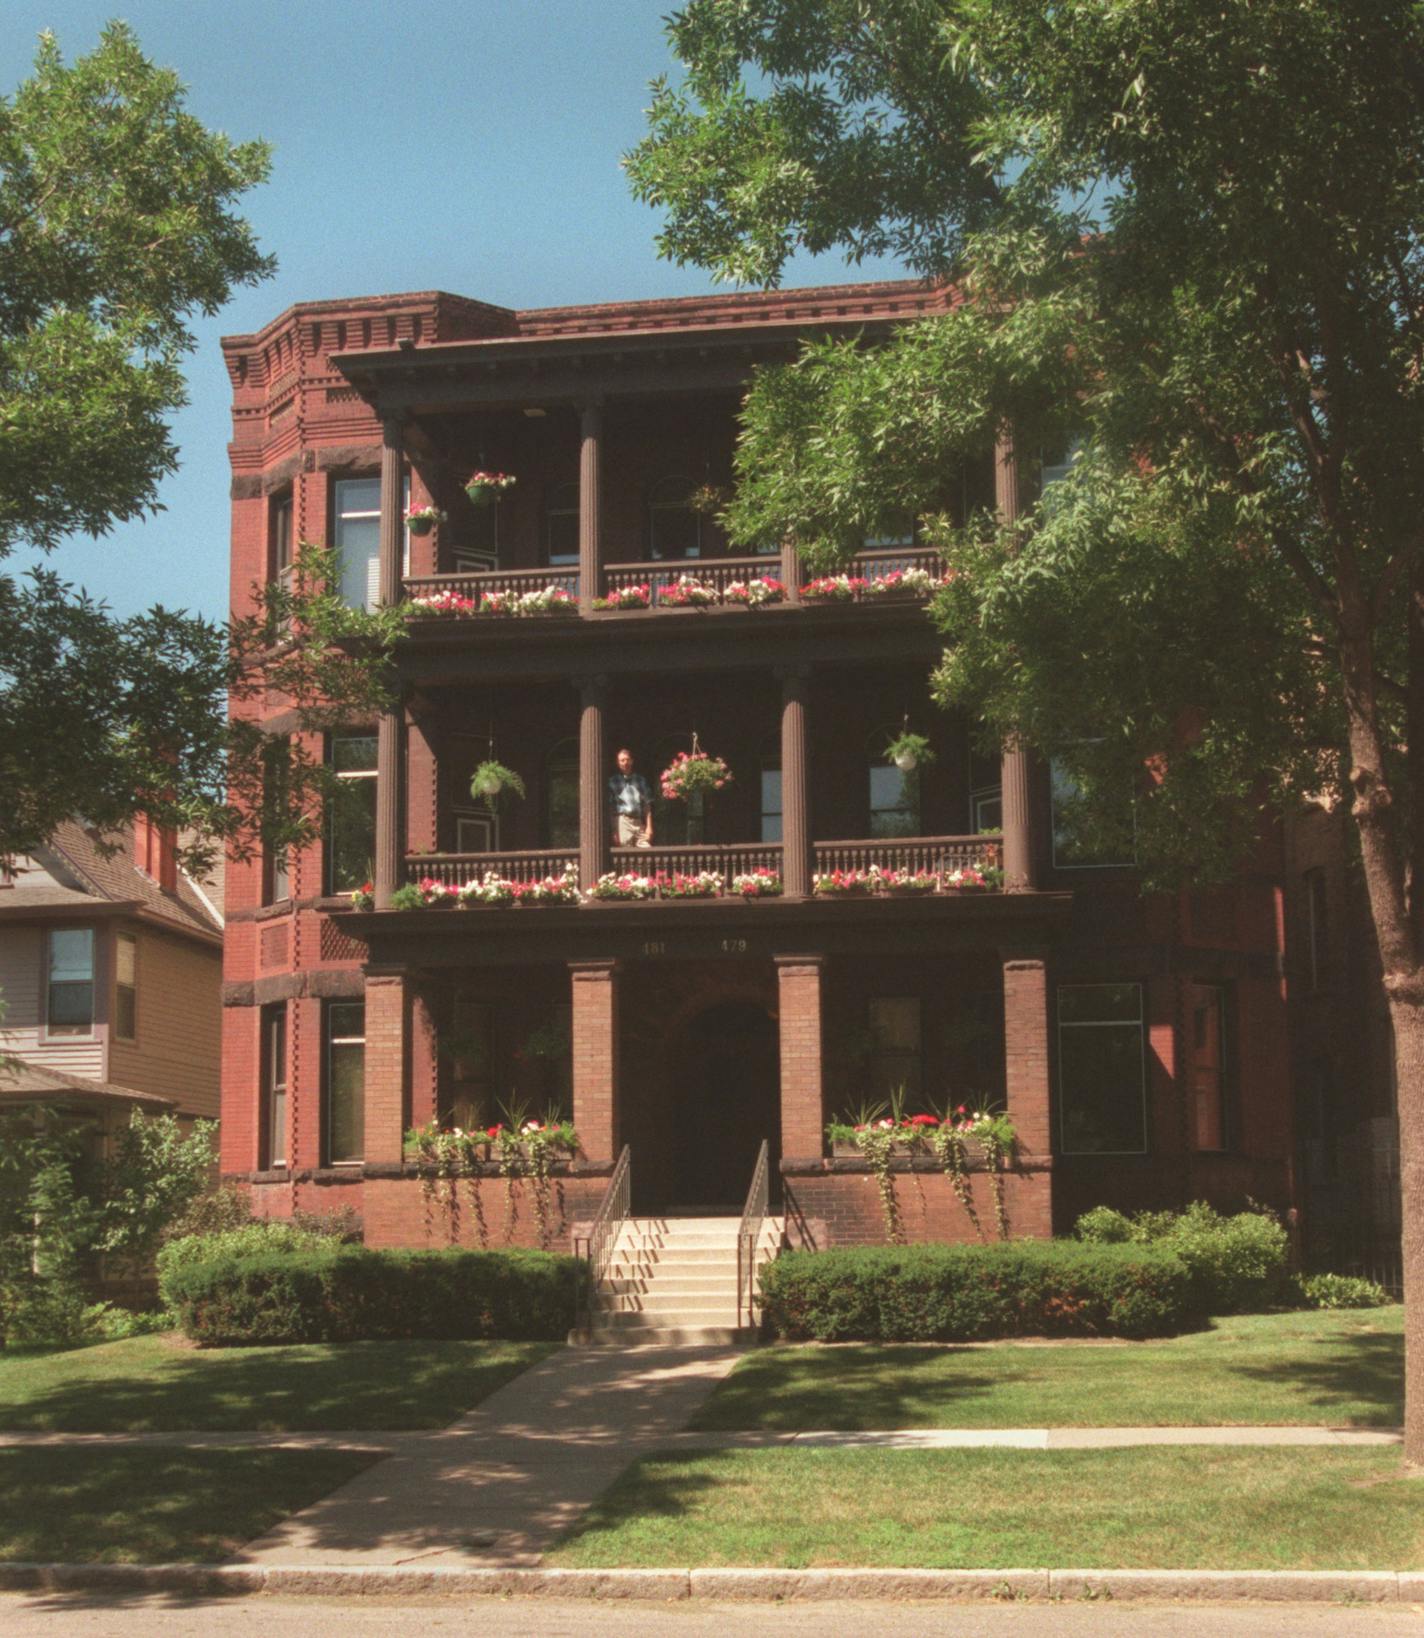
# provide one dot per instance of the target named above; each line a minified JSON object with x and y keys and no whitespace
{"x":724,"y":1067}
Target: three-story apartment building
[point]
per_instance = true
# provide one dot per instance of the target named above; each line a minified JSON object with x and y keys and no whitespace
{"x":1139,"y":1043}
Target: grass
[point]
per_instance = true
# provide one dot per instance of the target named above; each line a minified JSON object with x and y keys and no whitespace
{"x":999,"y":1509}
{"x":155,"y":1506}
{"x":1338,"y":1368}
{"x":155,"y":1384}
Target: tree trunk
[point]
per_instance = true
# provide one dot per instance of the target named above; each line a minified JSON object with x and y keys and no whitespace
{"x":1407,"y":1016}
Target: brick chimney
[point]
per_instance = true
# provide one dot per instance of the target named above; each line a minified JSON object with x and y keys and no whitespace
{"x":156,"y":852}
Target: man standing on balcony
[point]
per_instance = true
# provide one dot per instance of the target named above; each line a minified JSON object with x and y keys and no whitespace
{"x":632,"y":804}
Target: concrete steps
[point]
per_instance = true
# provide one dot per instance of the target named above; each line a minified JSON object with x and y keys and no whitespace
{"x":672,"y":1281}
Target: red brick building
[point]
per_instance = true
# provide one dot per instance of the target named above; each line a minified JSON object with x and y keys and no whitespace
{"x":1140,"y":1044}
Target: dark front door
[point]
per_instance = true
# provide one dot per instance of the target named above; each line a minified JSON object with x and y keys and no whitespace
{"x":726,"y":1097}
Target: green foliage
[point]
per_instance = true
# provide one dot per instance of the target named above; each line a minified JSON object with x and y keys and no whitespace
{"x":407,"y":897}
{"x":346,"y":1294}
{"x":940,"y":1293}
{"x":1341,"y":1291}
{"x":492,"y":778}
{"x":1237,"y":1264}
{"x":156,"y":1172}
{"x":227,"y":1207}
{"x":257,"y":1237}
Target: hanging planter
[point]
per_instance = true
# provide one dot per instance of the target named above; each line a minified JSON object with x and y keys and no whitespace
{"x":909,"y":751}
{"x":692,"y":771}
{"x":484,"y":488}
{"x":491,"y":779}
{"x":420,"y":520}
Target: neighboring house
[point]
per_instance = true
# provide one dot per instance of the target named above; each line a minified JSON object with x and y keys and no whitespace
{"x":1141,"y":1043}
{"x":110,"y":975}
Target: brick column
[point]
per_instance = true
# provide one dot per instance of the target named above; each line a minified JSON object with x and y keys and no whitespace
{"x":387,"y":1040}
{"x":595,"y":1046}
{"x":795,"y":785}
{"x":1020,"y":850}
{"x":422,"y":773}
{"x":389,"y":851}
{"x":593,"y":776}
{"x":1026,"y":1056}
{"x":590,"y":503}
{"x":803,"y":1115}
{"x":424,"y":1059}
{"x":304,"y":1084}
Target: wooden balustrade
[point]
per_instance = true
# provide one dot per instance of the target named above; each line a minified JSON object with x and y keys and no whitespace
{"x":718,"y":572}
{"x":882,"y":560}
{"x":455,"y":869}
{"x":935,"y":854}
{"x":477,"y":583}
{"x":726,"y":859}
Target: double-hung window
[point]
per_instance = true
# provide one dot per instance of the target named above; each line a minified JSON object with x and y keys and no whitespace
{"x":274,"y":1084}
{"x":1101,"y":1071}
{"x":351,"y":822}
{"x":69,"y":991}
{"x":345,"y":1081}
{"x":125,"y":987}
{"x":356,"y":534}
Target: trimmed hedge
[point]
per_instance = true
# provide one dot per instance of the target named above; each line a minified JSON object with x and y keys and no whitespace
{"x":967,"y":1293}
{"x":350,"y":1294}
{"x":1239,"y":1265}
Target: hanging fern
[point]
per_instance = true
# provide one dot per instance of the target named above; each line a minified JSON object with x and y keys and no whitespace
{"x":492,"y":778}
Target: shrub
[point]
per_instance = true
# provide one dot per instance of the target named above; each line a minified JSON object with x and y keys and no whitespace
{"x":256,"y":1237}
{"x":1341,"y":1291}
{"x":334,"y":1293}
{"x":226,"y":1208}
{"x":939,"y":1293}
{"x":1237,"y":1264}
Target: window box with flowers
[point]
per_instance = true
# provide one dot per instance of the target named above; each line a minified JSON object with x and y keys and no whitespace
{"x":447,"y":605}
{"x":563,"y":889}
{"x":363,"y":897}
{"x":706,"y":884}
{"x":911,"y":582}
{"x":420,"y":520}
{"x":909,"y":884}
{"x":833,"y":588}
{"x":488,"y":889}
{"x":846,"y":884}
{"x":550,"y":599}
{"x":613,"y":886}
{"x":758,"y":593}
{"x":688,"y":592}
{"x":484,"y":488}
{"x":757,"y":884}
{"x":985,"y":878}
{"x":626,"y":597}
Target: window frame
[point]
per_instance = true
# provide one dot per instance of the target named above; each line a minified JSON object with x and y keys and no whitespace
{"x":771,"y":765}
{"x":1142,"y":1033}
{"x":339,"y":514}
{"x":674,"y":484}
{"x":333,"y":887}
{"x":331,"y":1041}
{"x":275,"y":1058}
{"x":554,"y":493}
{"x":124,"y":940}
{"x":71,"y":1032}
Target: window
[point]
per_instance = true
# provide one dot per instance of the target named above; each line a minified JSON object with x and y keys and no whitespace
{"x":1056,"y":461}
{"x":351,"y":822}
{"x":357,"y":508}
{"x":1317,"y":927}
{"x":894,"y":797}
{"x":274,"y":1085}
{"x":479,"y":550}
{"x":898,"y":529}
{"x":1069,"y":851}
{"x":126,"y":987}
{"x":771,"y":799}
{"x":1101,"y":1083}
{"x":1206,"y":1061}
{"x":279,"y":547}
{"x":469,"y":1051}
{"x":674,"y":529}
{"x":561,"y":795}
{"x":986,"y":798}
{"x":561,"y":523}
{"x":895,"y":1059}
{"x":345,"y":1081}
{"x":69,"y":1007}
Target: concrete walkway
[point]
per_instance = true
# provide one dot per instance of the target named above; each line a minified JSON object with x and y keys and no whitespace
{"x":497,"y":1486}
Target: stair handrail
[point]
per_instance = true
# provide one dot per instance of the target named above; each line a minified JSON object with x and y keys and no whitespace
{"x":754,"y":1215}
{"x":596,"y":1247}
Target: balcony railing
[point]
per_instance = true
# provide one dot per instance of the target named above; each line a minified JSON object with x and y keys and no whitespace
{"x":726,"y":860}
{"x":455,"y":869}
{"x":479,"y":583}
{"x":934,"y":854}
{"x":717,"y":572}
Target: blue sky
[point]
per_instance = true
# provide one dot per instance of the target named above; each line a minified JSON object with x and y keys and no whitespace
{"x":464,"y":145}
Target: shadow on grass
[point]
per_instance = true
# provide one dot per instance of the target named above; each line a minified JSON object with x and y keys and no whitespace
{"x":1346,"y":1371}
{"x":150,"y":1384}
{"x":660,"y":1486}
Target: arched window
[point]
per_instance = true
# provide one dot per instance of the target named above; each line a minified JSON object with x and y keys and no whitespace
{"x":561,"y":795}
{"x":561,"y":522}
{"x":674,"y":529}
{"x":894,"y":797}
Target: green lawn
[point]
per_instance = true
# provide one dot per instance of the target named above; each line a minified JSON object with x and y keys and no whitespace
{"x":155,"y":1506}
{"x":1001,"y":1509}
{"x":1252,"y":1368}
{"x":154,"y":1384}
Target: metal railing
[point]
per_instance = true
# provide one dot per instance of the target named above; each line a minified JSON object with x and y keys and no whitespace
{"x":934,"y":854}
{"x":754,"y":1215}
{"x":454,"y":869}
{"x":596,"y":1247}
{"x":725,"y":859}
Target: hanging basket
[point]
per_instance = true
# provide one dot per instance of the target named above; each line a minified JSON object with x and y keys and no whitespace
{"x":491,"y":779}
{"x":484,"y":488}
{"x":693,"y":771}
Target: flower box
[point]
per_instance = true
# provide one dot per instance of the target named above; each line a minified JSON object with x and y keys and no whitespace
{"x":445,"y":604}
{"x":845,"y":884}
{"x":757,"y":884}
{"x":912,"y":582}
{"x":688,"y":592}
{"x":909,"y":884}
{"x":757,"y":593}
{"x":706,"y":884}
{"x":626,"y":597}
{"x":833,"y":588}
{"x":615,"y":887}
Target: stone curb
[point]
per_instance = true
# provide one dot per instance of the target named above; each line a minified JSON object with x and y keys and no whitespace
{"x":334,"y":1581}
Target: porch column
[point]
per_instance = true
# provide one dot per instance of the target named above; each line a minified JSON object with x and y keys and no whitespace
{"x":1020,"y":853}
{"x":387,"y":1050}
{"x":424,"y":1058}
{"x":389,"y":724}
{"x":595,"y":1056}
{"x":590,"y":504}
{"x":593,"y":776}
{"x":791,"y":570}
{"x":795,"y":799}
{"x":1026,"y":1055}
{"x":803,"y":1115}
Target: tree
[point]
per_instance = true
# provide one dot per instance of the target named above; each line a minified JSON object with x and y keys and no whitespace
{"x":1188,"y":233}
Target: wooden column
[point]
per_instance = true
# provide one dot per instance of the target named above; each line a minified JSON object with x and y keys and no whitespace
{"x":791,"y":570}
{"x":803,"y":1114}
{"x":1021,"y":872}
{"x":387,"y":1052}
{"x":590,"y":504}
{"x":595,"y":1060}
{"x":593,"y":778}
{"x":795,"y":794}
{"x":389,"y":838}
